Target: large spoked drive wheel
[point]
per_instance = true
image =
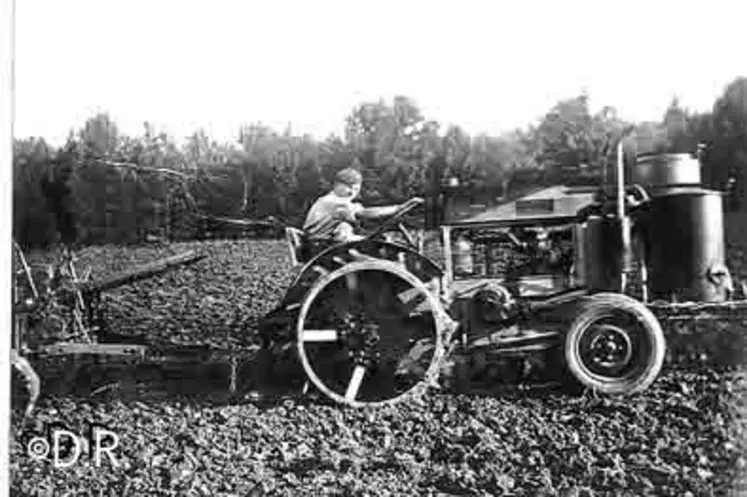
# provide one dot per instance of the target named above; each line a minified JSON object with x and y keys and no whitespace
{"x":356,"y":328}
{"x":615,"y":345}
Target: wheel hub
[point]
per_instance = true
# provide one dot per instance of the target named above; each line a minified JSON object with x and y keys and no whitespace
{"x":360,"y":338}
{"x":610,"y":348}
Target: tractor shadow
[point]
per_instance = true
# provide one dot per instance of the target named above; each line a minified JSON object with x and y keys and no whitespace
{"x":198,"y":383}
{"x":262,"y":382}
{"x":209,"y":386}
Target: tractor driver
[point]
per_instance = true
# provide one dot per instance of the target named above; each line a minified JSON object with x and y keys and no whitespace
{"x":332,"y":216}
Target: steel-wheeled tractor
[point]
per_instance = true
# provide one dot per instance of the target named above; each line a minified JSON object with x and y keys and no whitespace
{"x":567,"y":284}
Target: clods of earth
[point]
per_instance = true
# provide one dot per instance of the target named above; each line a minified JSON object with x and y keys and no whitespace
{"x":684,"y":436}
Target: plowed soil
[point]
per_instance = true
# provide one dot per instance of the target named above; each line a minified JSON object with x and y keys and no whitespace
{"x":684,"y":436}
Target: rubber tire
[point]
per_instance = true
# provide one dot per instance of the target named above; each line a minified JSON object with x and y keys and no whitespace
{"x":592,"y":309}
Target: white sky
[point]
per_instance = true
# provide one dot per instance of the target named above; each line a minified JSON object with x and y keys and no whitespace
{"x":488,"y":65}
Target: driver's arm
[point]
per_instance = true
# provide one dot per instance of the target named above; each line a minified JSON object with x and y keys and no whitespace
{"x":379,"y":212}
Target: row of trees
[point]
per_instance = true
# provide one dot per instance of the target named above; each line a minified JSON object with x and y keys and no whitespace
{"x":105,"y":187}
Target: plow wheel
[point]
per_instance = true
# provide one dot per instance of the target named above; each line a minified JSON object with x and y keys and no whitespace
{"x":356,"y":327}
{"x":615,"y":345}
{"x":25,"y":384}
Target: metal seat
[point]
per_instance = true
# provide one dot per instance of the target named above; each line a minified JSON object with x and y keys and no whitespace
{"x":302,"y":249}
{"x":294,"y":238}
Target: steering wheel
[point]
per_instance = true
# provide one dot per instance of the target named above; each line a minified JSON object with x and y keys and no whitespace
{"x":395,"y":220}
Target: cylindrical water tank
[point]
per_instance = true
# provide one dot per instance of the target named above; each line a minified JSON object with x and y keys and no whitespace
{"x":685,"y":243}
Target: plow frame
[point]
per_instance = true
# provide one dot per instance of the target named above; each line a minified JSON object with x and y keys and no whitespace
{"x":87,"y":293}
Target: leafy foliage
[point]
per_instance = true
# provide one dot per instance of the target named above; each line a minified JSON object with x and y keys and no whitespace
{"x":69,"y":194}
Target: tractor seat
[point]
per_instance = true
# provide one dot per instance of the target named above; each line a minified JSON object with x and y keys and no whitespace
{"x":302,"y":249}
{"x":294,"y":238}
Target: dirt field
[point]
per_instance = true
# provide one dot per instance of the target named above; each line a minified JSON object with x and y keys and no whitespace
{"x":685,"y":436}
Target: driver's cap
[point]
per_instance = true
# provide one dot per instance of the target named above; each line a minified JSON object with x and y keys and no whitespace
{"x":349,"y":177}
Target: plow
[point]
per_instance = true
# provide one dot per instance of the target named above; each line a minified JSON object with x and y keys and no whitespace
{"x":570,"y":285}
{"x":73,"y":305}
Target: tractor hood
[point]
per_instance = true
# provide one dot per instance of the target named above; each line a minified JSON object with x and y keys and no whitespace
{"x":554,"y":205}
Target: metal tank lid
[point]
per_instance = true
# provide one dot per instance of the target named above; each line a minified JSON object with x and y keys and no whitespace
{"x":668,"y":157}
{"x":658,"y":171}
{"x":687,"y":190}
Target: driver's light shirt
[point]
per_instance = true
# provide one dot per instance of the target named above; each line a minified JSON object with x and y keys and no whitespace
{"x":330,"y":218}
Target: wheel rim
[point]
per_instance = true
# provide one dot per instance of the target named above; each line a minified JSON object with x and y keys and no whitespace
{"x":614,"y":348}
{"x":354,"y":339}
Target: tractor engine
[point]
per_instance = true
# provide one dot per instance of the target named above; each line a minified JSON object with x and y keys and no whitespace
{"x":511,"y":254}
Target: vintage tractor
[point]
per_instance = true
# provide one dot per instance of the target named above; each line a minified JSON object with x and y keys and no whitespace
{"x":564,"y":284}
{"x":567,"y":284}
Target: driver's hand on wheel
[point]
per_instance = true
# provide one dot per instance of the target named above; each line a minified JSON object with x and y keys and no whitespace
{"x":414,"y":201}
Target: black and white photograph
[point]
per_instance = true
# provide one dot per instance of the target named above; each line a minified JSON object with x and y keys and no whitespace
{"x":327,"y":247}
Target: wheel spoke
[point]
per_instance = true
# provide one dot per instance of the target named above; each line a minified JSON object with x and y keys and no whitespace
{"x":320,"y":335}
{"x":355,"y":383}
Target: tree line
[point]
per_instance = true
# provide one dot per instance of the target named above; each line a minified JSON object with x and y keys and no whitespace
{"x":103,"y":186}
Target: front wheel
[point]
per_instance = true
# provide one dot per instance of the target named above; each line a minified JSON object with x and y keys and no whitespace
{"x":615,"y":345}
